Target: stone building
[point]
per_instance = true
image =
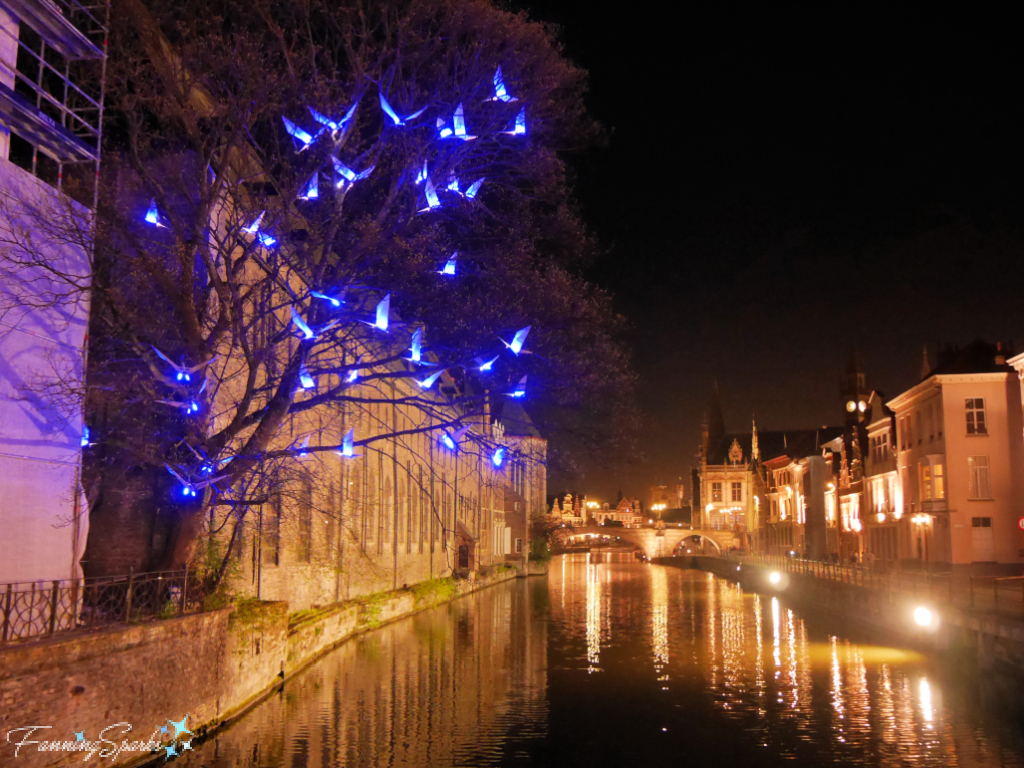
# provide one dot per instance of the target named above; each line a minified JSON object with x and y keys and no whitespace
{"x":960,"y":462}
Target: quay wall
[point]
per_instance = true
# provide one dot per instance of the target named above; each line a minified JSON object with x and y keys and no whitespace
{"x":988,"y":639}
{"x":210,"y":666}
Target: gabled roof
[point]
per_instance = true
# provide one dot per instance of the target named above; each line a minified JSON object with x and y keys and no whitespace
{"x":513,"y":418}
{"x":794,"y":443}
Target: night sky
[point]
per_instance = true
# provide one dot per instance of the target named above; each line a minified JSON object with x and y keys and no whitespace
{"x":778,"y":191}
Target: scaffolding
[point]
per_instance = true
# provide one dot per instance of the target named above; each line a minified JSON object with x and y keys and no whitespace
{"x":52,"y":100}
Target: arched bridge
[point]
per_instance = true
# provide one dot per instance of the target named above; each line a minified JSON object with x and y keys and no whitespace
{"x":658,"y":542}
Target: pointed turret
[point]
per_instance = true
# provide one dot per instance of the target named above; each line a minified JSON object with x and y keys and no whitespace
{"x":755,"y":452}
{"x":926,"y":366}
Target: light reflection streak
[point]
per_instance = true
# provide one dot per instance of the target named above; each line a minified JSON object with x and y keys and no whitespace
{"x":659,"y":620}
{"x":777,"y":652}
{"x":593,"y":616}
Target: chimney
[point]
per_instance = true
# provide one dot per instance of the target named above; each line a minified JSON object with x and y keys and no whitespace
{"x":1000,"y":355}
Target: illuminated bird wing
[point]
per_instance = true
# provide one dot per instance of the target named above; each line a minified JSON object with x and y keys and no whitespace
{"x":178,"y":477}
{"x":365,"y":174}
{"x":474,"y":188}
{"x":166,"y":359}
{"x":323,"y":119}
{"x":428,"y":382}
{"x":348,"y":115}
{"x":296,"y":132}
{"x":153,"y":214}
{"x":431,"y":192}
{"x":383,"y":312}
{"x":416,"y":347}
{"x":519,"y":339}
{"x":301,"y":325}
{"x":499,"y":86}
{"x":312,"y":190}
{"x":202,"y":365}
{"x":422,"y":175}
{"x":520,"y":128}
{"x":388,"y":110}
{"x":255,"y":226}
{"x":344,"y":170}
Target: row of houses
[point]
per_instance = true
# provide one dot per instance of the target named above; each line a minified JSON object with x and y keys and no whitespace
{"x":331,"y":527}
{"x":932,"y":478}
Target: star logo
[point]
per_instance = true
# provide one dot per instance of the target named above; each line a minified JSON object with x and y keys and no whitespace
{"x":179,"y":727}
{"x":79,"y":735}
{"x":171,"y":752}
{"x":186,"y":745}
{"x":163,"y":729}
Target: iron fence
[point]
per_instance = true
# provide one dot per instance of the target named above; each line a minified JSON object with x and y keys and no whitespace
{"x":45,"y":608}
{"x":994,"y":593}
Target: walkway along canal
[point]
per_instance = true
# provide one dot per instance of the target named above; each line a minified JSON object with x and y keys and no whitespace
{"x":611,"y":662}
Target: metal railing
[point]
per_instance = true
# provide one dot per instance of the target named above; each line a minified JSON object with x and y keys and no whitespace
{"x":1003,"y":594}
{"x":42,"y":609}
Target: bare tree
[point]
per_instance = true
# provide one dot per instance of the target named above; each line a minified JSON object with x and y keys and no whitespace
{"x":280,"y":173}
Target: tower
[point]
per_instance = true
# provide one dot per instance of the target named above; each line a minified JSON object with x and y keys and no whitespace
{"x":854,"y":390}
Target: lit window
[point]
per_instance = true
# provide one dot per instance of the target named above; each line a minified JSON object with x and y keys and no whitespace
{"x":975,"y":407}
{"x":938,"y":481}
{"x":926,"y":482}
{"x":977,"y":467}
{"x":737,"y":492}
{"x":716,"y":491}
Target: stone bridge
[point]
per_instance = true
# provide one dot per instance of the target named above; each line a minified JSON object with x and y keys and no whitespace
{"x":655,"y":542}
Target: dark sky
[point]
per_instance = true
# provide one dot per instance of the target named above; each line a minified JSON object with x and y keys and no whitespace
{"x":779,"y":190}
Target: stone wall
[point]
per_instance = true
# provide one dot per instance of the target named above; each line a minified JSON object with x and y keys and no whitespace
{"x":209,"y":666}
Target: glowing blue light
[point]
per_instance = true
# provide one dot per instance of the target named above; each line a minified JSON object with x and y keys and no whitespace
{"x":497,"y":457}
{"x":303,"y":137}
{"x":449,"y":267}
{"x":486,"y":365}
{"x":445,"y":132}
{"x":459,"y":121}
{"x":517,"y":341}
{"x":474,"y":188}
{"x":446,"y":439}
{"x":180,"y":376}
{"x":334,"y":301}
{"x":312,"y":190}
{"x":453,"y":185}
{"x":433,"y":201}
{"x":428,"y":382}
{"x":207,"y":469}
{"x":303,"y":447}
{"x":347,"y":446}
{"x":348,"y":174}
{"x":302,"y":326}
{"x":500,"y":92}
{"x":383,"y":313}
{"x":520,"y":390}
{"x":352,"y":376}
{"x":305,"y":379}
{"x":266,"y":240}
{"x":186,"y":486}
{"x":188,"y":490}
{"x":153,"y":215}
{"x":193,"y":407}
{"x":334,"y":126}
{"x":416,"y":347}
{"x":519,"y":129}
{"x":422,"y":175}
{"x":398,"y":121}
{"x":253,"y":228}
{"x":85,"y":436}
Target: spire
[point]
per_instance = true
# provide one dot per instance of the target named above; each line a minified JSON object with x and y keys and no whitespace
{"x":926,"y":366}
{"x":755,"y":452}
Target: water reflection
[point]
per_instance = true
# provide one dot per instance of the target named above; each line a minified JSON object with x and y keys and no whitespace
{"x":611,"y":662}
{"x":464,"y":684}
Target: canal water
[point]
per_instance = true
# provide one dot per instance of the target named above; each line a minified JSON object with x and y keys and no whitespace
{"x":612,"y":662}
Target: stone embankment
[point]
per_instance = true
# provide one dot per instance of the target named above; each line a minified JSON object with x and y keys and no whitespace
{"x":991,"y":639}
{"x":211,"y":667}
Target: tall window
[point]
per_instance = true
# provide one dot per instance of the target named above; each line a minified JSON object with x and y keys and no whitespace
{"x":716,"y":491}
{"x":306,"y":521}
{"x":926,"y":482}
{"x":272,"y":531}
{"x":977,"y":467}
{"x":975,"y":407}
{"x":736,"y":491}
{"x":939,"y":481}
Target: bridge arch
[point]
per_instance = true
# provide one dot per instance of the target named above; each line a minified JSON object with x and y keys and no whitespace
{"x":700,"y":539}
